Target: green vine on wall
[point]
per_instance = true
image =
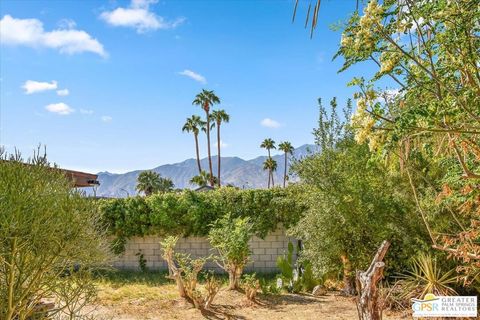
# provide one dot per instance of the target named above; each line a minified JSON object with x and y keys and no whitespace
{"x":190,"y":213}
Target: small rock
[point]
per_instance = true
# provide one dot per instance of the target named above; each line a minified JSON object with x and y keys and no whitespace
{"x":319,"y":290}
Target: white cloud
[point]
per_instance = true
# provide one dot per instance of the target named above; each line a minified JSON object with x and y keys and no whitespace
{"x":106,"y":118}
{"x":193,"y":75}
{"x":63,"y":92}
{"x":66,"y":24}
{"x":222,"y":144}
{"x":31,"y":86}
{"x":59,"y":108}
{"x":86,"y":111}
{"x":270,"y":123}
{"x":139,"y":16}
{"x":30,"y":33}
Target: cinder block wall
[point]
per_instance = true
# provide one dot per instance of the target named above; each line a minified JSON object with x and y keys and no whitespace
{"x":264,"y":252}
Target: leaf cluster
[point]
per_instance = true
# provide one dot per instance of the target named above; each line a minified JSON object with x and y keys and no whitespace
{"x":193,"y":213}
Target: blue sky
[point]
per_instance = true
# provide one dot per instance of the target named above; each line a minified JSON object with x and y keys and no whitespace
{"x":132,"y":70}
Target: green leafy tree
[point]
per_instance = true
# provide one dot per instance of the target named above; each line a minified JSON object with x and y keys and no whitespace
{"x":148,"y":182}
{"x":193,"y":125}
{"x":230,"y":236}
{"x":202,"y":179}
{"x":354,"y":204}
{"x":430,"y":121}
{"x":50,"y":240}
{"x":205,"y":100}
{"x":330,"y":128}
{"x":219,"y":116}
{"x":287,"y":148}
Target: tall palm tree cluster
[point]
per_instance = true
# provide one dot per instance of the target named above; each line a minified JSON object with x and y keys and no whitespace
{"x":271,"y":165}
{"x":213,"y":119}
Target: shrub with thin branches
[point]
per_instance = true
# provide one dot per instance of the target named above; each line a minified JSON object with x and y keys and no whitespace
{"x":50,"y":240}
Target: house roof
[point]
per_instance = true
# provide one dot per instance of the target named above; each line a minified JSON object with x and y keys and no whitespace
{"x":79,"y":179}
{"x":204,"y":188}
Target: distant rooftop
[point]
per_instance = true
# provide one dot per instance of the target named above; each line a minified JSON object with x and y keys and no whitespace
{"x":204,"y":188}
{"x":79,"y":179}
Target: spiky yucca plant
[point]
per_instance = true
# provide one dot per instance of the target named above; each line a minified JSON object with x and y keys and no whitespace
{"x":425,"y":277}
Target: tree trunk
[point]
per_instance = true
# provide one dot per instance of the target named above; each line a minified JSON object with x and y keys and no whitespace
{"x":269,"y":175}
{"x":198,"y":154}
{"x":234,"y":275}
{"x":285,"y":171}
{"x":180,"y":286}
{"x":348,"y":278}
{"x":208,"y":149}
{"x":218,"y":148}
{"x":269,"y":170}
{"x":174,"y":273}
{"x":368,"y":306}
{"x":273,"y":183}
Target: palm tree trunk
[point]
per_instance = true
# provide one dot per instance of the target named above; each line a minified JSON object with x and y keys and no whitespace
{"x":208,"y":149}
{"x":198,"y":154}
{"x":269,"y":170}
{"x":285,"y":171}
{"x":273,"y":183}
{"x":218,"y":148}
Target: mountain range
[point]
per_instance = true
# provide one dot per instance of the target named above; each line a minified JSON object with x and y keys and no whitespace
{"x":248,"y":174}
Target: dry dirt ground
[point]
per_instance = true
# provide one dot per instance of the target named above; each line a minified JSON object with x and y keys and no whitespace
{"x":162,"y":302}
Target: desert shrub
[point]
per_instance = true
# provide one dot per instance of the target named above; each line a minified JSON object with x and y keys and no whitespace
{"x":193,"y":213}
{"x":50,"y":239}
{"x":230,"y":236}
{"x":297,"y":278}
{"x":212,"y":286}
{"x":307,"y":279}
{"x":426,"y":276}
{"x":250,"y":285}
{"x":286,"y":264}
{"x":185,"y":270}
{"x":269,"y":287}
{"x":142,"y":262}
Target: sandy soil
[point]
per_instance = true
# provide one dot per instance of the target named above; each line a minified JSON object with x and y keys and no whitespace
{"x":229,"y":305}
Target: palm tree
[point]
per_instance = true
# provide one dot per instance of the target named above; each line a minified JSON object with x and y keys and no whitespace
{"x":205,"y":99}
{"x":268,"y":144}
{"x":270,"y":165}
{"x":193,"y":124}
{"x":202,"y":179}
{"x":219,"y":116}
{"x":287,"y":148}
{"x":166,"y":185}
{"x":148,"y":182}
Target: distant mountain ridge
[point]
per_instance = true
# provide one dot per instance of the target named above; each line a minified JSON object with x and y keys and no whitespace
{"x":236,"y":171}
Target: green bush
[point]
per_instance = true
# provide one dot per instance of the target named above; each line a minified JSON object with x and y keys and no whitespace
{"x":192,"y":213}
{"x":230,"y":236}
{"x":306,"y":281}
{"x":49,"y":240}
